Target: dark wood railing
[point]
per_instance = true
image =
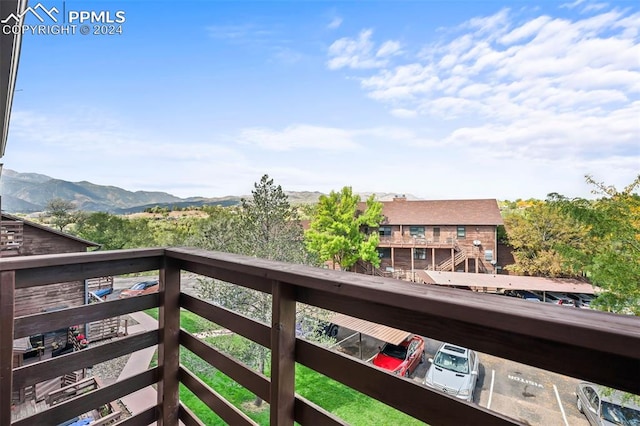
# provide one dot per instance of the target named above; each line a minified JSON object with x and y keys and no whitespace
{"x":600,"y":347}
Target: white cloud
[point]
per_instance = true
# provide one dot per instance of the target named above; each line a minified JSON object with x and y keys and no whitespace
{"x":359,"y":53}
{"x":299,"y":136}
{"x":489,"y":26}
{"x":525,"y":31}
{"x":403,"y":113}
{"x":586,"y":6}
{"x":553,"y":89}
{"x":388,"y":48}
{"x":99,"y":147}
{"x":240,"y":33}
{"x":545,"y":96}
{"x":331,"y":139}
{"x":572,"y":5}
{"x":335,"y":23}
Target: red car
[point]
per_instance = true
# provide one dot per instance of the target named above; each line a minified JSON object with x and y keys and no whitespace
{"x":143,"y":287}
{"x":401,"y":359}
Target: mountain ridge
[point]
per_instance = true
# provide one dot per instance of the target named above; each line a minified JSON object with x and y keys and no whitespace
{"x":30,"y":192}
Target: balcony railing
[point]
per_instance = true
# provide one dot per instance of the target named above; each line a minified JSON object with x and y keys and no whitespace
{"x":593,"y":346}
{"x":402,"y":241}
{"x":10,"y":235}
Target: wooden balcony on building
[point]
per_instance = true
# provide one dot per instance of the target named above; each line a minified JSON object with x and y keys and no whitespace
{"x":408,"y":241}
{"x":11,"y":237}
{"x":593,"y":346}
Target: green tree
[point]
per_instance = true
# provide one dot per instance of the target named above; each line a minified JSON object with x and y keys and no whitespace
{"x":612,"y":258}
{"x":537,"y":234}
{"x":172,"y":232}
{"x":336,"y":232}
{"x":114,"y":232}
{"x":60,"y":213}
{"x":264,"y":226}
{"x":220,"y":231}
{"x":270,"y":225}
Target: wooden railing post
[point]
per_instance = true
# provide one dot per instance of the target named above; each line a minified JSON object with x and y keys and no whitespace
{"x":7,"y":292}
{"x":283,"y":341}
{"x":169,"y":348}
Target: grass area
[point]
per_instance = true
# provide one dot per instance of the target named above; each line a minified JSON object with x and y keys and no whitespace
{"x":346,"y":403}
{"x":352,"y":406}
{"x":189,"y":321}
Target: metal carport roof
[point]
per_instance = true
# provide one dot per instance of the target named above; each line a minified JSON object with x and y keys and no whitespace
{"x":378,"y":331}
{"x":507,"y":282}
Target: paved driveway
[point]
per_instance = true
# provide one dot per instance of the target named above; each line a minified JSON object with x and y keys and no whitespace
{"x":528,"y":394}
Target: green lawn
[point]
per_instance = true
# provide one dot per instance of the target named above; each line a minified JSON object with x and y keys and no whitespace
{"x":346,"y":403}
{"x":189,"y":321}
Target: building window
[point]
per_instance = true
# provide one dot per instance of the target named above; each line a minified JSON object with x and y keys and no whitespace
{"x":420,"y":253}
{"x":384,"y":252}
{"x":436,"y":234}
{"x":384,"y":231}
{"x":461,"y":232}
{"x":488,"y":255}
{"x":416,"y":231}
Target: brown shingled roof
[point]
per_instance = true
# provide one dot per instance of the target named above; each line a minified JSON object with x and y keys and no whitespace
{"x":441,"y":212}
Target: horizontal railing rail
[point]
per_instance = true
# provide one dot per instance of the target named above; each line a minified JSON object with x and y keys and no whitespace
{"x":29,"y":325}
{"x":410,"y":241}
{"x":480,"y":321}
{"x":31,"y":374}
{"x":516,"y":330}
{"x":62,"y":412}
{"x":11,"y":234}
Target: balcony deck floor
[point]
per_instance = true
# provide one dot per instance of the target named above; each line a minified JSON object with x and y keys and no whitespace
{"x":26,"y":409}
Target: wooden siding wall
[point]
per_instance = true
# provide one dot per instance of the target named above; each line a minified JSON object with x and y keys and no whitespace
{"x":34,"y":300}
{"x":487,"y":237}
{"x":505,"y":258}
{"x":39,"y":241}
{"x":38,"y":299}
{"x":486,"y":234}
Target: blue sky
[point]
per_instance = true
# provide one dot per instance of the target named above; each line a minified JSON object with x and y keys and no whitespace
{"x":440,"y":100}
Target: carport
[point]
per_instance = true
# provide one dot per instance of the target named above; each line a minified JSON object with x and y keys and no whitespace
{"x":487,"y":282}
{"x":378,"y":331}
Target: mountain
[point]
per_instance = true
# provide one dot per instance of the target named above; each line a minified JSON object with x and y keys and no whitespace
{"x":30,"y":192}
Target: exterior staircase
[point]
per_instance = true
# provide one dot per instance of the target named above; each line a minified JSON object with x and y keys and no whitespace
{"x":368,"y":269}
{"x":449,"y":265}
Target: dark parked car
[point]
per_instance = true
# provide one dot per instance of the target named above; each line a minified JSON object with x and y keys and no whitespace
{"x":557,"y":299}
{"x":523,"y":294}
{"x":401,"y":359}
{"x":580,"y":300}
{"x":603,"y":406}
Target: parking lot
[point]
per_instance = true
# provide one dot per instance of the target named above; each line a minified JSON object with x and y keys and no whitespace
{"x":526,"y":393}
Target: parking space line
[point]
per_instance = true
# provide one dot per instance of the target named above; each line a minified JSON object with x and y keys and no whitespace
{"x":343,"y":340}
{"x":564,"y":416}
{"x":493,"y":376}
